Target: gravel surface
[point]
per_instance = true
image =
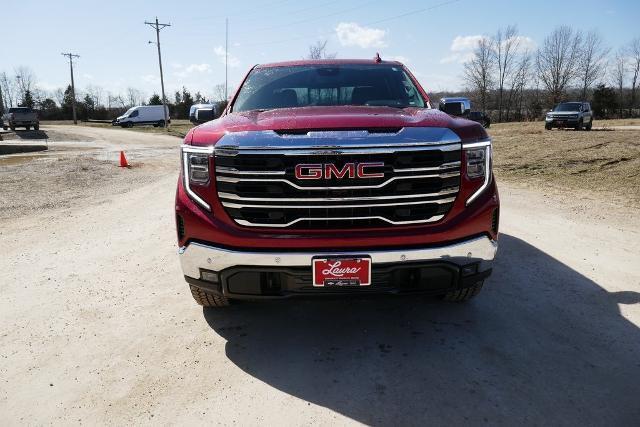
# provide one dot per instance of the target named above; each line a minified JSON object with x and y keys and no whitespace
{"x":98,"y":326}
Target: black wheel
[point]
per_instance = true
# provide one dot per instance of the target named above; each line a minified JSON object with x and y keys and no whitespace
{"x":464,"y":294}
{"x":207,"y":299}
{"x":13,"y":128}
{"x":547,"y":127}
{"x":590,"y":125}
{"x":160,"y":123}
{"x":27,"y":127}
{"x":36,"y":127}
{"x":579,"y":125}
{"x":5,"y":127}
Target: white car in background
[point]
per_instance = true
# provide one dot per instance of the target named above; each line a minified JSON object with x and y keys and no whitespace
{"x":143,"y":115}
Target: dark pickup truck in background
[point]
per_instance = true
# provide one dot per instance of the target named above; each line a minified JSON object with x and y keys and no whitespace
{"x":20,"y":117}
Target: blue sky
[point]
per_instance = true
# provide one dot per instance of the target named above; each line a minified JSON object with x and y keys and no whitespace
{"x":112,"y":39}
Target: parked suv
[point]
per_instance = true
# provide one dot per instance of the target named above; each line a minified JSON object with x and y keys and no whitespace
{"x":335,"y":177}
{"x":577,"y":115}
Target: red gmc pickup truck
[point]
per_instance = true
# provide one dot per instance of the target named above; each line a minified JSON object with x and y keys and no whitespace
{"x":335,"y":177}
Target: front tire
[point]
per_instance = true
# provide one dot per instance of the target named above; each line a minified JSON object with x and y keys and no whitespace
{"x":589,"y":126}
{"x":207,"y":299}
{"x":130,"y":124}
{"x":464,"y":294}
{"x":27,"y":127}
{"x":36,"y":127}
{"x":547,"y":127}
{"x":579,"y":125}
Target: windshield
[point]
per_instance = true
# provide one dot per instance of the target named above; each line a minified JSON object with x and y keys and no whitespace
{"x":129,"y":111}
{"x":568,"y":106}
{"x":19,"y":110}
{"x":327,"y":85}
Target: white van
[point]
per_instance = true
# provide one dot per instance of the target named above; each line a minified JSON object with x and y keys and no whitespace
{"x":142,"y":115}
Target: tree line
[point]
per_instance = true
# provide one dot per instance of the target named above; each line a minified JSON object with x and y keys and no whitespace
{"x":508,"y":80}
{"x":92,"y":102}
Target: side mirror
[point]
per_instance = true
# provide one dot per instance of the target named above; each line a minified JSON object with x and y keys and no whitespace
{"x":204,"y":115}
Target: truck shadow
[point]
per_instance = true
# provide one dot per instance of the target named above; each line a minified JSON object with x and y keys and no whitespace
{"x":541,"y":342}
{"x":31,"y":134}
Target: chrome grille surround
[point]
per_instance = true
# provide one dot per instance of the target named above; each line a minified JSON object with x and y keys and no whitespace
{"x":257,"y":186}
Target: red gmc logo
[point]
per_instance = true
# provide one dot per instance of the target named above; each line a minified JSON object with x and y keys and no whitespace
{"x":329,"y":170}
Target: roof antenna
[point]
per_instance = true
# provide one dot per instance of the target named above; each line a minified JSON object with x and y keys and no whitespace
{"x":377,"y":58}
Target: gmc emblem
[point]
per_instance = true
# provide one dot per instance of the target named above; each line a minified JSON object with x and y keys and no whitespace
{"x":329,"y":170}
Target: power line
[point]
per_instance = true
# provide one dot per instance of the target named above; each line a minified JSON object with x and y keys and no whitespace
{"x":158,"y":26}
{"x":73,"y":86}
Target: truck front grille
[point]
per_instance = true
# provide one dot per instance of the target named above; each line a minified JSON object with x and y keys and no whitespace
{"x":418,"y":183}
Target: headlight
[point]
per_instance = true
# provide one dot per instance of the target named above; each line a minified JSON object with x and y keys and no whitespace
{"x":195,"y":170}
{"x":478,"y":165}
{"x":198,"y":168}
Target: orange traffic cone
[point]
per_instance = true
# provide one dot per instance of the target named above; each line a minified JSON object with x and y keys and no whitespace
{"x":123,"y":160}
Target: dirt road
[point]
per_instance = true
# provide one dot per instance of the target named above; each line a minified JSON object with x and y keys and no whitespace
{"x":98,"y":327}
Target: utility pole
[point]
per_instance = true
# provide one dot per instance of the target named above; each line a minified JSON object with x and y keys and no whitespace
{"x":157,"y":26}
{"x":73,"y":87}
{"x":226,"y":59}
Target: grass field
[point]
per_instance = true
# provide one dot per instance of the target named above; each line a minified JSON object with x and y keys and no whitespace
{"x":605,"y":163}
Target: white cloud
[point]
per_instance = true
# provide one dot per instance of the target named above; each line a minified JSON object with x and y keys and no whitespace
{"x":352,"y":34}
{"x":525,"y":44}
{"x":220,"y":53}
{"x":465,"y":43}
{"x":184,"y":71}
{"x":461,"y":49}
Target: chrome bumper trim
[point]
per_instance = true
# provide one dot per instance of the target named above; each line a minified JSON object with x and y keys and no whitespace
{"x":196,"y":256}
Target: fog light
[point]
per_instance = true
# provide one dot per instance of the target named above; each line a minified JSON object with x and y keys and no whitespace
{"x":469,"y":270}
{"x":209,"y":276}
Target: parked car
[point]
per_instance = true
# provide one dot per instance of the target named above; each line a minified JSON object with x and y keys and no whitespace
{"x":194,"y":107}
{"x":459,"y":107}
{"x":577,"y":115}
{"x":21,"y":117}
{"x":310,"y":185}
{"x":143,"y":115}
{"x":480,"y":117}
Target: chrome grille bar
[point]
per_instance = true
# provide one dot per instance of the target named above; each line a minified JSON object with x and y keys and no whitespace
{"x":381,"y":218}
{"x":342,"y":187}
{"x":231,"y":196}
{"x":370,"y":205}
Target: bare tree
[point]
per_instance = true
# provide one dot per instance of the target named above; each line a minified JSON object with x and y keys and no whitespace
{"x":506,"y":45}
{"x":95,"y":93}
{"x":521,"y":77}
{"x":8,"y":90}
{"x":592,"y":61}
{"x":557,"y":60}
{"x":25,"y":80}
{"x":319,"y":51}
{"x":634,"y":53}
{"x":619,"y":74}
{"x":218,"y":92}
{"x":478,"y":71}
{"x":58,"y":94}
{"x":134,"y":97}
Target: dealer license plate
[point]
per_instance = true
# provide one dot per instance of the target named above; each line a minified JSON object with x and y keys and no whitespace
{"x":341,"y":271}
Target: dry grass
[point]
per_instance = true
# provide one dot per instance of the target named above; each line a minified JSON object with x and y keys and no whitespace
{"x":605,"y":162}
{"x":178,"y":128}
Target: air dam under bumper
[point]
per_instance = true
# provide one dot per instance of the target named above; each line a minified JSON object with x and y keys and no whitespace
{"x":240,"y":274}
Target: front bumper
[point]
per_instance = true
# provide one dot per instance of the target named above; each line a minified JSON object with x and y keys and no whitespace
{"x":240,"y":274}
{"x":562,"y":122}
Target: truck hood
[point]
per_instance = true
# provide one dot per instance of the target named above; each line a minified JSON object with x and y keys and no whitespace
{"x":340,"y":117}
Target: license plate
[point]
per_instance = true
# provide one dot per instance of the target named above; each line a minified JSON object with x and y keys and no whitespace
{"x":341,"y":271}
